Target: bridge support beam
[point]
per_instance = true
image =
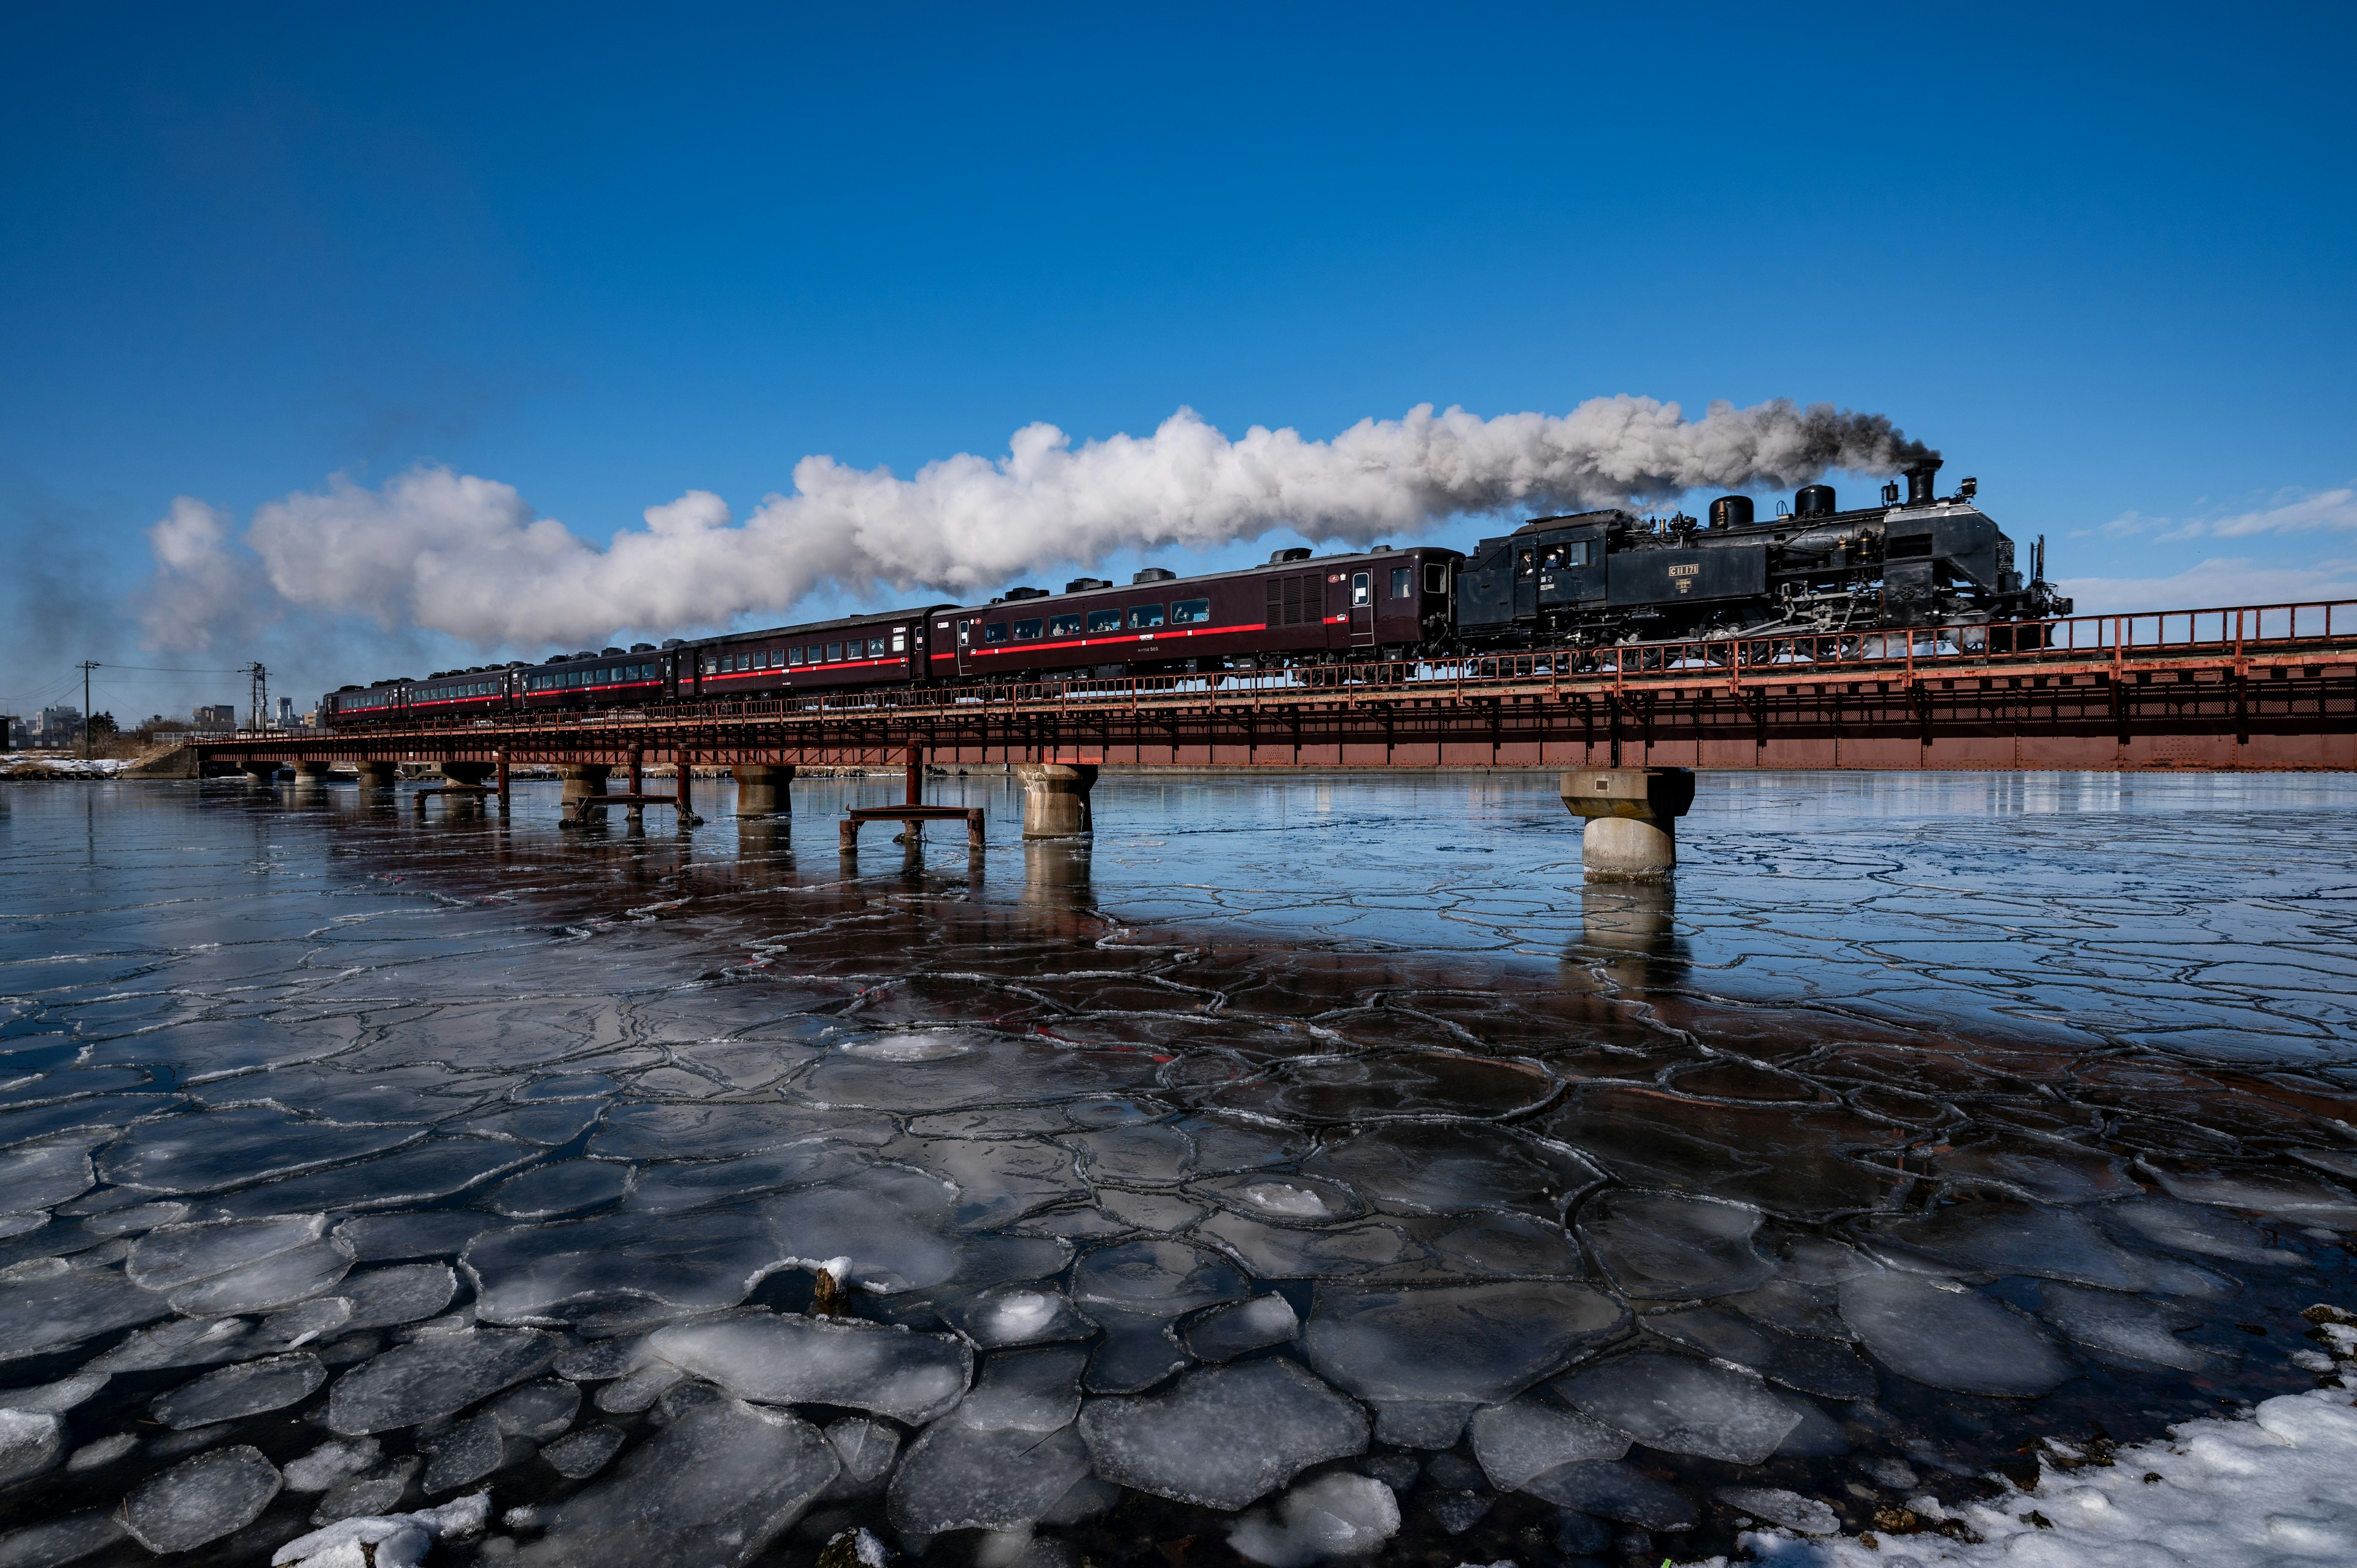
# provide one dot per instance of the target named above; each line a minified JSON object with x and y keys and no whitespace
{"x":377,"y":774}
{"x":583,"y":780}
{"x":309,"y":772}
{"x":764,"y":788}
{"x":261,"y":769}
{"x":1056,"y":798}
{"x":467,"y":772}
{"x":1632,"y":819}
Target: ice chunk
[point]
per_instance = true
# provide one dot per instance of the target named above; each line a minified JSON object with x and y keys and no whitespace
{"x":1333,"y":1516}
{"x":1938,"y":1332}
{"x":865,"y":1449}
{"x":204,"y":1152}
{"x":585,"y":1453}
{"x":183,"y":1342}
{"x":1018,"y":1314}
{"x":60,"y":1541}
{"x":636,"y":1390}
{"x":1143,"y":1154}
{"x":1030,"y":1390}
{"x":1138,"y":1352}
{"x":54,"y":1398}
{"x":397,"y":1540}
{"x":426,"y":1173}
{"x":1420,"y":1424}
{"x":139,"y":1217}
{"x":1684,"y":1406}
{"x":2124,"y":1325}
{"x":2043,"y":1170}
{"x":173,"y":1257}
{"x":536,"y":1411}
{"x":1156,"y":1278}
{"x":2204,"y":1233}
{"x":1794,"y":1512}
{"x":620,"y":1269}
{"x":789,"y":1360}
{"x":1515,"y":1442}
{"x":336,"y":1460}
{"x":2019,"y":1238}
{"x":467,"y":1452}
{"x":2293,"y":1199}
{"x":409,"y":1293}
{"x":550,"y":1192}
{"x":297,"y":1274}
{"x":43,"y":1176}
{"x":888,"y":1220}
{"x":1616,"y":1491}
{"x":1442,"y":1166}
{"x":1659,"y":1245}
{"x":247,"y":1389}
{"x":1284,"y":1199}
{"x":714,"y":1487}
{"x":1248,"y":1325}
{"x":299,"y":1325}
{"x":375,"y":1490}
{"x":602,"y":1359}
{"x":1225,"y":1435}
{"x":1462,"y":1344}
{"x":201,"y":1499}
{"x":1148,"y":1210}
{"x":435,"y":1375}
{"x":1326,"y":1253}
{"x":668,"y":1188}
{"x":52,"y":1311}
{"x":958,"y":1476}
{"x":667,"y":1131}
{"x":31,"y":1444}
{"x":998,"y":1180}
{"x":399,"y":1238}
{"x":1812,"y":1365}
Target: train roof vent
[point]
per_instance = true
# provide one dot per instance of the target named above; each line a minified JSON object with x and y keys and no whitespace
{"x":642,"y":648}
{"x":1155,"y":574}
{"x":674,"y":642}
{"x":1082,"y":585}
{"x":606,"y":653}
{"x":350,"y":688}
{"x":1027,"y":593}
{"x":518,"y":664}
{"x":587,"y":653}
{"x":1379,"y":549}
{"x":557,"y":659}
{"x":1281,"y":556}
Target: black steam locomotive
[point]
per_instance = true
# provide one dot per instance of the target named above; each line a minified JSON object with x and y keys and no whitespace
{"x":1582,"y":582}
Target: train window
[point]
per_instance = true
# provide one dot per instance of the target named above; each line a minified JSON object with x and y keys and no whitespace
{"x":1403,"y":582}
{"x":1436,"y":578}
{"x":833,"y":652}
{"x":793,"y":656}
{"x":995,"y":631}
{"x":1026,"y":630}
{"x":573,"y":677}
{"x":1064,"y":625}
{"x":1145,"y":618}
{"x":1191,"y":612}
{"x":1523,"y":561}
{"x":1555,"y":559}
{"x":1577,"y":552}
{"x":899,"y":640}
{"x":876,"y":646}
{"x":1104,"y":620}
{"x":1361,"y":590}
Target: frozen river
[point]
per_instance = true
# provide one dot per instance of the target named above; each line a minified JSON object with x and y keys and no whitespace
{"x":1304,"y":1167}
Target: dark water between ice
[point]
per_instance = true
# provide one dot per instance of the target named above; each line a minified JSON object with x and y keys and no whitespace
{"x":1299,"y":1151}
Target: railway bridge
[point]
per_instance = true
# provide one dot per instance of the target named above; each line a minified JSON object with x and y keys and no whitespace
{"x":2256,"y":688}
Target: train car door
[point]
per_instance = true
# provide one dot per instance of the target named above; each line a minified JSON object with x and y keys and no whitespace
{"x":1363,"y":608}
{"x":1526,"y":580}
{"x":966,"y":645}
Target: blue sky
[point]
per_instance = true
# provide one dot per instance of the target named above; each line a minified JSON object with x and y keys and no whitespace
{"x":2102,"y":258}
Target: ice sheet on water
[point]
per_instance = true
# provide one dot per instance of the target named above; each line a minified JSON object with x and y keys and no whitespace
{"x":2017,"y":1238}
{"x":398,"y":1541}
{"x":1333,"y":1516}
{"x":1663,"y":1246}
{"x":60,"y":1541}
{"x":2043,"y":1170}
{"x":959,"y":1477}
{"x":2191,"y":1227}
{"x":378,"y":1489}
{"x":1435,"y":1166}
{"x":307,"y":1323}
{"x":399,"y":1238}
{"x":1420,"y":1424}
{"x":714,"y":1487}
{"x":43,"y":1176}
{"x":467,"y":1453}
{"x":781,"y":1360}
{"x":638,"y":1388}
{"x":410,"y":1293}
{"x":889,"y":1220}
{"x":1283,"y":1199}
{"x":281,"y":1280}
{"x":1518,"y":1440}
{"x":273,"y":1382}
{"x":55,"y":1398}
{"x":425,"y":1173}
{"x":176,"y":1256}
{"x":865,"y":1449}
{"x":1140,"y":1350}
{"x":183,"y":1342}
{"x":601,"y":1359}
{"x":336,"y":1460}
{"x":1018,"y":1314}
{"x":1456,"y":1344}
{"x":1369,"y":1247}
{"x":2117,"y":1326}
{"x":999,"y":1179}
{"x":616,"y":1270}
{"x":1682,"y":1405}
{"x":48,"y":1312}
{"x":1937,"y":1332}
{"x":584,"y":1453}
{"x":434,"y":1376}
{"x":672,"y":1131}
{"x":550,"y":1192}
{"x":207,"y":1151}
{"x":1149,"y":1210}
{"x":1026,"y":1390}
{"x":1795,"y":1307}
{"x":538,"y":1411}
{"x":1254,"y":1324}
{"x":667,"y":1188}
{"x":1145,"y":1154}
{"x":31,"y":1444}
{"x":1615,"y":1489}
{"x":545,"y":1126}
{"x":1225,"y":1436}
{"x":1812,"y":1365}
{"x":2296,"y":1200}
{"x":1806,"y":1516}
{"x":1156,"y":1277}
{"x":201,"y":1500}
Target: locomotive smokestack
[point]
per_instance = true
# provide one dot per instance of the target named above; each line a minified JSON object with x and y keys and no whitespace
{"x":1918,"y":481}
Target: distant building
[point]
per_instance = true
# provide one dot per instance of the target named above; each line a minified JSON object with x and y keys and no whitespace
{"x":57,"y":726}
{"x":286,"y":719}
{"x":9,"y":727}
{"x":217,"y":715}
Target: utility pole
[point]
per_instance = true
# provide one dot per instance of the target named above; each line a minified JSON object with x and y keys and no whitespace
{"x":261,"y":693}
{"x":86,"y":666}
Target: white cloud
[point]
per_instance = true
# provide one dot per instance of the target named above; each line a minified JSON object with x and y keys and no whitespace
{"x":467,"y":556}
{"x":2288,"y":512}
{"x":2219,"y":583}
{"x":202,"y":587}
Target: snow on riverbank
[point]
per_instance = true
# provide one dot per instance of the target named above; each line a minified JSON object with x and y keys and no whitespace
{"x":2275,"y":1485}
{"x":41,"y":765}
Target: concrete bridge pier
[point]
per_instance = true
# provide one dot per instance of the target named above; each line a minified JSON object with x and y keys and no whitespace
{"x":1632,"y":819}
{"x":583,"y":780}
{"x":1056,"y":798}
{"x":310,"y":772}
{"x":377,"y":774}
{"x":260,"y":770}
{"x":764,"y":788}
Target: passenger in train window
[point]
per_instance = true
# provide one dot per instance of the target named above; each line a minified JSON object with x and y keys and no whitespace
{"x":1145,"y":618}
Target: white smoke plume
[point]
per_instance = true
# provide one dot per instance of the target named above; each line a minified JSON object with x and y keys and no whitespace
{"x":466,"y":556}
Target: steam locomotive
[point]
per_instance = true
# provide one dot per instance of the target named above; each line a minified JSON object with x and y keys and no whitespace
{"x":1578,"y":582}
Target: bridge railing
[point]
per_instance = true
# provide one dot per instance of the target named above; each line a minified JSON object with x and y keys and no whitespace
{"x":2251,"y":631}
